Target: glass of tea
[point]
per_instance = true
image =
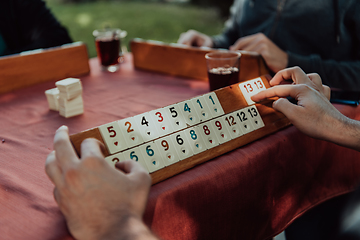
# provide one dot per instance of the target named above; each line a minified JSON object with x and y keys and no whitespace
{"x":108,"y":47}
{"x":223,"y":68}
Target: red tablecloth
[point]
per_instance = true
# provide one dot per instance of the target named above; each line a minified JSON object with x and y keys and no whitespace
{"x":249,"y":193}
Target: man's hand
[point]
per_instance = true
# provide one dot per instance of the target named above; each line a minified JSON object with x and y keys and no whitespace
{"x":195,"y":38}
{"x":98,"y":201}
{"x":313,"y":114}
{"x":274,"y":57}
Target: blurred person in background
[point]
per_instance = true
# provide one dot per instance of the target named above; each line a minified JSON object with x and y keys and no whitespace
{"x":320,"y":36}
{"x":28,"y":25}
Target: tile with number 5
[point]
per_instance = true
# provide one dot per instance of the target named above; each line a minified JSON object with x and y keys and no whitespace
{"x":135,"y":154}
{"x":113,"y":138}
{"x":177,"y":120}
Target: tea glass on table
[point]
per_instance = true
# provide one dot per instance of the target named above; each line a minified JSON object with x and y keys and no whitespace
{"x":223,"y":68}
{"x":108,"y":47}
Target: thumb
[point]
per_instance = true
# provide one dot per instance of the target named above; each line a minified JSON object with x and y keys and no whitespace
{"x":283,"y":105}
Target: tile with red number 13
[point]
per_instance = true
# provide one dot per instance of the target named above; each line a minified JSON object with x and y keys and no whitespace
{"x":250,"y":88}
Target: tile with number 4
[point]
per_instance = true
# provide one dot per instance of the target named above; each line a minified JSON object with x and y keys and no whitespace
{"x":162,"y":121}
{"x":255,"y":117}
{"x":250,"y":88}
{"x":135,"y":154}
{"x":152,"y":156}
{"x":245,"y":121}
{"x":195,"y":139}
{"x":118,"y":157}
{"x":146,"y":126}
{"x":113,"y":138}
{"x":167,"y":150}
{"x":182,"y":145}
{"x":177,"y":120}
{"x":189,"y":112}
{"x":208,"y":134}
{"x":221,"y":130}
{"x":233,"y":125}
{"x":131,"y":132}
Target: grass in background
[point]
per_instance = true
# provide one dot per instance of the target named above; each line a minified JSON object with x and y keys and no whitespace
{"x":156,"y":21}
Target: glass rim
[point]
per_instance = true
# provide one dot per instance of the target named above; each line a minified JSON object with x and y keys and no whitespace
{"x":219,"y":52}
{"x":117,"y":31}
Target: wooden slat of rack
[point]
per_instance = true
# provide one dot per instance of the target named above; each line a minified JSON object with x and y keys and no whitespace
{"x":231,"y":100}
{"x":20,"y":71}
{"x":188,"y":61}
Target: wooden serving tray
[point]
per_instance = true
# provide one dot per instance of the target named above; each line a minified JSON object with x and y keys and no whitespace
{"x":188,"y":62}
{"x":231,"y":100}
{"x":33,"y":67}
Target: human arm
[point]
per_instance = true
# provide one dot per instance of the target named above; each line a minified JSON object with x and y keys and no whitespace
{"x":313,"y":114}
{"x":30,"y":25}
{"x":275,"y":58}
{"x":98,"y":201}
{"x":195,"y":38}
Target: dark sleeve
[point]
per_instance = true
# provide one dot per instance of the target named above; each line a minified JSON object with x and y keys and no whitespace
{"x":231,"y":32}
{"x":337,"y":74}
{"x":36,"y":27}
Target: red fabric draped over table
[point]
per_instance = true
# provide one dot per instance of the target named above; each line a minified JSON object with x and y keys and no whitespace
{"x":252,"y":192}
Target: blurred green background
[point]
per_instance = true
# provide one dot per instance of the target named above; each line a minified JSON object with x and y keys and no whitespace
{"x":161,"y":20}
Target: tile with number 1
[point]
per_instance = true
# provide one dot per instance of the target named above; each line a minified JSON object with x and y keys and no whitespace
{"x":213,"y":103}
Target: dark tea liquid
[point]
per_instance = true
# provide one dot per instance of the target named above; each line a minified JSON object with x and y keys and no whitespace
{"x":108,"y":51}
{"x":222,"y":77}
